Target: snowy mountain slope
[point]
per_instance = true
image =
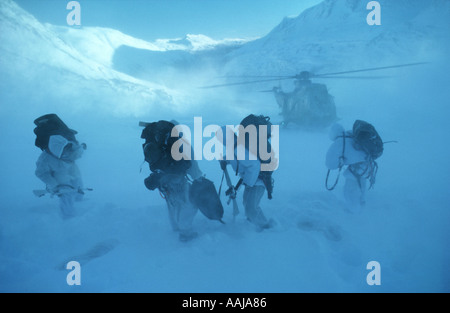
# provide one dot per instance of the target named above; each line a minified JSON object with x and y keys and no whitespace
{"x":173,"y":68}
{"x":100,"y":44}
{"x":23,"y":36}
{"x":30,"y":49}
{"x":335,"y":32}
{"x":145,"y":75}
{"x":82,"y":58}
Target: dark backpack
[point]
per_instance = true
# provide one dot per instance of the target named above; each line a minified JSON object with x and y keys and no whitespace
{"x":367,"y":139}
{"x":258,"y":120}
{"x":157,"y":149}
{"x":49,"y":125}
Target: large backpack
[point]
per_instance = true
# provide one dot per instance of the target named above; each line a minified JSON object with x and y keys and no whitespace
{"x":49,"y":125}
{"x":157,"y":149}
{"x":367,"y":139}
{"x":258,"y":120}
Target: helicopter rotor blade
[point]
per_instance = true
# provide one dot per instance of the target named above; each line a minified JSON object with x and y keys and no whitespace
{"x":260,"y":76}
{"x":354,"y":77}
{"x":246,"y":83}
{"x":325,"y":75}
{"x":370,"y":69}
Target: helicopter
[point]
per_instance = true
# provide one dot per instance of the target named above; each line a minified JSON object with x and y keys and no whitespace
{"x":309,"y":105}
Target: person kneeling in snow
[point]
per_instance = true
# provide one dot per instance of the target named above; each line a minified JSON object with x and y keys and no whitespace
{"x":56,"y":167}
{"x":357,"y":149}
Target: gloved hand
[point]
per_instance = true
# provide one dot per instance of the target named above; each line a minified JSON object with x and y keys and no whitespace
{"x":57,"y":190}
{"x":153,"y":181}
{"x":231,"y":192}
{"x":63,"y":189}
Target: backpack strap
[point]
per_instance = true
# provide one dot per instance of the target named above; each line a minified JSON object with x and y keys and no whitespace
{"x":221,"y":183}
{"x":341,"y":164}
{"x":370,"y":173}
{"x":373,"y":174}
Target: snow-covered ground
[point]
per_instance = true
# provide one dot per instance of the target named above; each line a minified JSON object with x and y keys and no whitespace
{"x":317,"y":245}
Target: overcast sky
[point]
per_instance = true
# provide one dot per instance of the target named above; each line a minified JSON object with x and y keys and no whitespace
{"x":153,"y":19}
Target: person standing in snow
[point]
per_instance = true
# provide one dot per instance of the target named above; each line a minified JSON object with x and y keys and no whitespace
{"x":56,"y":166}
{"x":256,"y":181}
{"x":169,"y":176}
{"x":357,"y":149}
